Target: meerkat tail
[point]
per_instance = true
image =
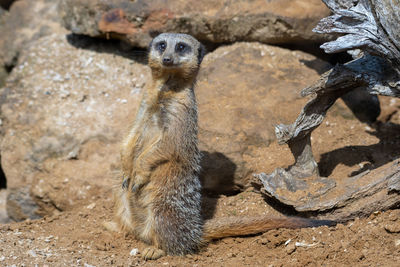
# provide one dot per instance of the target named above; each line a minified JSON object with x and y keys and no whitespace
{"x":239,"y":226}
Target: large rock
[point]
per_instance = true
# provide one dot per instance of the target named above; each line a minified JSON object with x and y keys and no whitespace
{"x":3,"y":71}
{"x":243,"y":91}
{"x":223,"y":21}
{"x":26,"y":21}
{"x":66,"y":108}
{"x":69,"y":102}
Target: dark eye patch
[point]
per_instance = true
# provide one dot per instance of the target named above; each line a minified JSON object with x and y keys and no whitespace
{"x":161,"y":46}
{"x":182,"y":48}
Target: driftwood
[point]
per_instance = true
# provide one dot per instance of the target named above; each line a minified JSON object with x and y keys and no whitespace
{"x":370,"y":31}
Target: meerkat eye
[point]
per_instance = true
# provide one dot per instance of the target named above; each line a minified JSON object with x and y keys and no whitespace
{"x":161,"y":46}
{"x":180,"y":47}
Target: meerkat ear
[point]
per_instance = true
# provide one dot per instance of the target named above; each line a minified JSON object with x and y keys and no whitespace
{"x":201,"y":53}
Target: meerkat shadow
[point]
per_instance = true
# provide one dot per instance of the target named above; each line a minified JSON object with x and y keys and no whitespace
{"x":217,"y":177}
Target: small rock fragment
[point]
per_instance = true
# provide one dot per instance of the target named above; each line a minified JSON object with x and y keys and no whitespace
{"x":305,"y":245}
{"x":134,"y":252}
{"x":32,"y":253}
{"x":393,"y":227}
{"x":290,"y":248}
{"x":91,"y":206}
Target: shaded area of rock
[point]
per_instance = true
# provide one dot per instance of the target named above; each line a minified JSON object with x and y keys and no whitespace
{"x":3,"y":211}
{"x":20,"y":205}
{"x":6,"y":3}
{"x":216,"y":22}
{"x":25,"y":22}
{"x":364,"y":105}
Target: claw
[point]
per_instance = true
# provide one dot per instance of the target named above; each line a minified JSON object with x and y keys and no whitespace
{"x":152,"y":253}
{"x":135,"y":187}
{"x":125,"y":183}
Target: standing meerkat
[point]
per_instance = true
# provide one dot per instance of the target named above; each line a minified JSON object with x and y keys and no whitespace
{"x":159,"y":199}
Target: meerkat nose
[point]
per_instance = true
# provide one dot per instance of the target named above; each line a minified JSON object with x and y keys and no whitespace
{"x":167,"y":61}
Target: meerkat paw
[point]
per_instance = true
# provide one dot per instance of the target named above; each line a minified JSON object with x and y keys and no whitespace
{"x":152,"y":253}
{"x":125,"y":184}
{"x":111,"y":226}
{"x":140,"y":180}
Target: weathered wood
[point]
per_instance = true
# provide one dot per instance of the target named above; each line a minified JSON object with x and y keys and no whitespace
{"x":372,"y":27}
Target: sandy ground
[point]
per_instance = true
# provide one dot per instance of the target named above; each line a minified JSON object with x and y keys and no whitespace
{"x":76,"y":238}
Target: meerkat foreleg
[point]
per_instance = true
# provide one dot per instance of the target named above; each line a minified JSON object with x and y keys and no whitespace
{"x":144,"y":165}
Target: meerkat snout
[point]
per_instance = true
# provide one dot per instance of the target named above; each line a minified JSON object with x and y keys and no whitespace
{"x":167,"y":61}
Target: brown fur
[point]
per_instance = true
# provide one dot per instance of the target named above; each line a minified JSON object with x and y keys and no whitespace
{"x":159,"y":197}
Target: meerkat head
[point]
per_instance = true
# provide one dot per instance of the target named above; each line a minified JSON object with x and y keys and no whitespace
{"x":175,"y":54}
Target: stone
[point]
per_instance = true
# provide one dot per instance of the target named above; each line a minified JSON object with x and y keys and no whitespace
{"x":211,"y":22}
{"x":243,"y":91}
{"x":20,"y":205}
{"x":65,"y":117}
{"x":25,"y":22}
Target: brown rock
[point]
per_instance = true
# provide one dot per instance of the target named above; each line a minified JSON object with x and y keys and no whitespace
{"x":20,"y":205}
{"x":393,"y":227}
{"x":243,"y":91}
{"x":3,"y":72}
{"x":223,"y":21}
{"x":65,"y":111}
{"x":290,"y":248}
{"x":26,"y":21}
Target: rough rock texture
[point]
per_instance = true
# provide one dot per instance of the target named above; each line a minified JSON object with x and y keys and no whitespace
{"x":223,"y":21}
{"x":66,"y":109}
{"x":4,"y":218}
{"x":20,"y":205}
{"x":3,"y":71}
{"x":243,"y":91}
{"x":26,"y":21}
{"x":69,"y":102}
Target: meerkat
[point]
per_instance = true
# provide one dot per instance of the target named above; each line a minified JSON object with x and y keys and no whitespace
{"x":159,"y":198}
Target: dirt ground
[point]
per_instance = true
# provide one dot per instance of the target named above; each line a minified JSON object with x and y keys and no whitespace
{"x":76,"y":237}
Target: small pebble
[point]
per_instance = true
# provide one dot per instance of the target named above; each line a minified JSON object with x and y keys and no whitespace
{"x":134,"y":252}
{"x":32,"y":253}
{"x":91,"y":206}
{"x":393,"y":227}
{"x":290,"y":248}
